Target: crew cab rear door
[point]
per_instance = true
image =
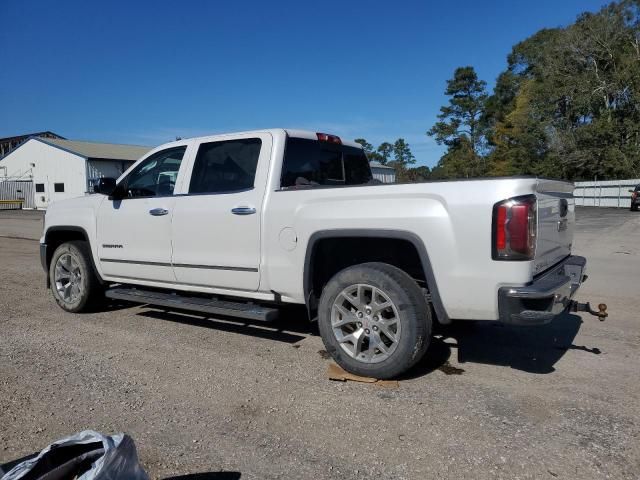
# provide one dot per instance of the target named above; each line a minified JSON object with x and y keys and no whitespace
{"x":217,"y":223}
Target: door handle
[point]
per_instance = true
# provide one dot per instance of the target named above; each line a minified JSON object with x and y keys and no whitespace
{"x":158,"y":212}
{"x":243,"y":210}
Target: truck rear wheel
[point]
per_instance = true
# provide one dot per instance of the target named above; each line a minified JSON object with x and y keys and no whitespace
{"x":374,"y":320}
{"x":74,"y":283}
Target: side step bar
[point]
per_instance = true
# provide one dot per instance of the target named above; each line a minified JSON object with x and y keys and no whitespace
{"x":247,"y":311}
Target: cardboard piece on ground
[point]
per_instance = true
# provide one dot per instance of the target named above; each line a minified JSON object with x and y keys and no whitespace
{"x":334,"y":372}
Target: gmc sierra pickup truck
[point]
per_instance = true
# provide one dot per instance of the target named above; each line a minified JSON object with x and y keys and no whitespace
{"x":240,"y":224}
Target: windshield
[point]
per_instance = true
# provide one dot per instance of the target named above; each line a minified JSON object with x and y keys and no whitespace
{"x":311,"y":162}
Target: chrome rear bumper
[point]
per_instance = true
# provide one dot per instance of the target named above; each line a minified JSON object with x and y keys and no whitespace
{"x":547,"y":296}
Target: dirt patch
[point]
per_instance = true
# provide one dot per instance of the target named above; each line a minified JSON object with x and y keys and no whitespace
{"x":449,"y":369}
{"x":324,"y":354}
{"x":198,"y":396}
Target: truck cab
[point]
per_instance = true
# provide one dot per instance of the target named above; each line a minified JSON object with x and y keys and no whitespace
{"x":238,"y":224}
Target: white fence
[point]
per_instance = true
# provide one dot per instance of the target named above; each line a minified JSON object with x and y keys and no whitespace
{"x":607,"y":193}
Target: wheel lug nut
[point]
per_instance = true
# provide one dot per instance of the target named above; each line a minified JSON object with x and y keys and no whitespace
{"x":375,"y":319}
{"x":375,"y":328}
{"x":359,"y":324}
{"x":359,"y":314}
{"x":367,"y":331}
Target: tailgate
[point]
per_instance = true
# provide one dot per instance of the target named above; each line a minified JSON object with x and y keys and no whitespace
{"x":556,"y":222}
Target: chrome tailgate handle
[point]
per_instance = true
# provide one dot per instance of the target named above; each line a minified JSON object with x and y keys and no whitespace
{"x":243,"y":210}
{"x":158,"y":212}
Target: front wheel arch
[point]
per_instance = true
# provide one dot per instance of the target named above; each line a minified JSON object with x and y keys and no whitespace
{"x":59,"y":234}
{"x":73,"y":282}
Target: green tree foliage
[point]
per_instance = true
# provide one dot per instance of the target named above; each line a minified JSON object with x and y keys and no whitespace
{"x":518,"y":139}
{"x":384,"y":152}
{"x":366,"y":146}
{"x":402,"y":156}
{"x":399,"y":156}
{"x":567,"y":106}
{"x":415,"y":175}
{"x":369,"y":150}
{"x":380,"y":154}
{"x":461,"y":125}
{"x":458,"y":162}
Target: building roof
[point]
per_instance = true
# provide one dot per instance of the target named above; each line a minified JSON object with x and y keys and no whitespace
{"x":99,"y":150}
{"x":28,"y":135}
{"x":379,"y":165}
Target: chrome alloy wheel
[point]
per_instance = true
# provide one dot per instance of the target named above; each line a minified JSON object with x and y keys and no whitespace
{"x":68,"y":278}
{"x":365,"y":323}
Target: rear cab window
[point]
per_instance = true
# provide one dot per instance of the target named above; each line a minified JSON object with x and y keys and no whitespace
{"x":309,"y":163}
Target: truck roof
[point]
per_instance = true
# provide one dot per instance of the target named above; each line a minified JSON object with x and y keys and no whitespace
{"x":313,"y":136}
{"x":291,"y":132}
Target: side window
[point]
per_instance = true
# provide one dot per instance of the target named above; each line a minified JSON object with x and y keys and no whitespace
{"x":225,"y":166}
{"x":155,"y":176}
{"x":58,"y":187}
{"x":40,"y":187}
{"x":310,"y":163}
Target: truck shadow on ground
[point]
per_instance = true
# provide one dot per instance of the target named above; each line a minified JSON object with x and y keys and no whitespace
{"x":110,"y":306}
{"x":529,"y":349}
{"x":291,"y":327}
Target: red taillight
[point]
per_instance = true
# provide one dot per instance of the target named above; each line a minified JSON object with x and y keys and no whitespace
{"x":518,"y":228}
{"x":501,"y":234}
{"x":325,"y":137}
{"x":514,"y":229}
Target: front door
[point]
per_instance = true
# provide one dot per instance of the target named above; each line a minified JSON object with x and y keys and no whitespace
{"x":134,"y":234}
{"x":216,"y":226}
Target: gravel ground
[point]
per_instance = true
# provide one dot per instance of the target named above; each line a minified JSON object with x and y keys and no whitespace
{"x":236,"y":401}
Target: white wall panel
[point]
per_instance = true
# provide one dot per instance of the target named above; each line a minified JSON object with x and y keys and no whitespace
{"x":606,"y":193}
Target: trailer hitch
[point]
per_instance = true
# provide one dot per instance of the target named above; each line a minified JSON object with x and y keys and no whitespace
{"x":586,"y":307}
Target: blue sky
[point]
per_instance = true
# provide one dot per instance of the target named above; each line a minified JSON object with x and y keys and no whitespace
{"x":144,"y":72}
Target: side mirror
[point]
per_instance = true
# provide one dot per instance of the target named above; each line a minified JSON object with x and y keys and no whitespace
{"x":105,"y":185}
{"x":118,"y":193}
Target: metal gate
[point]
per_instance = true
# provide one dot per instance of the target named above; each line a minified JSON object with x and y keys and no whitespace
{"x":13,"y":190}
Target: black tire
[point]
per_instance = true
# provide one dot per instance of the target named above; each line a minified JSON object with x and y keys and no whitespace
{"x":634,"y":207}
{"x":91,"y":291}
{"x":414,"y":316}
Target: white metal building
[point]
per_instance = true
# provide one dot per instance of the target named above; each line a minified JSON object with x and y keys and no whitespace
{"x":605,"y":193}
{"x":384,"y":173}
{"x":61,"y":169}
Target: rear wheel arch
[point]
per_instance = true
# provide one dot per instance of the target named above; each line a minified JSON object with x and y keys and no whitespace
{"x":374,"y":320}
{"x":320,"y":241}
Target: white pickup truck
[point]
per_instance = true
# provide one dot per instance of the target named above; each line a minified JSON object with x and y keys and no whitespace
{"x":239,"y":224}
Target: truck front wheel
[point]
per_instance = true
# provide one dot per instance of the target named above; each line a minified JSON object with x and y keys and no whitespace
{"x":374,"y":320}
{"x":74,"y":283}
